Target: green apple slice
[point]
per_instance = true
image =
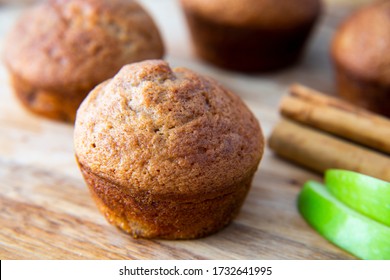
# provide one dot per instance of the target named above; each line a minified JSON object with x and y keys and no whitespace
{"x":368,"y":195}
{"x":343,"y":226}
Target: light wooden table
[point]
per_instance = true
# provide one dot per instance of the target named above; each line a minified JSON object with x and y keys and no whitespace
{"x":45,"y":208}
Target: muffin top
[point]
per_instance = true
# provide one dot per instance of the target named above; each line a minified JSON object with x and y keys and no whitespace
{"x":362,"y":43}
{"x":76,"y":44}
{"x":256,"y":13}
{"x":167,"y":131}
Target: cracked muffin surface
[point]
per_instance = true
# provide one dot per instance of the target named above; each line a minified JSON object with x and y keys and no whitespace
{"x":59,"y":50}
{"x":167,"y":139}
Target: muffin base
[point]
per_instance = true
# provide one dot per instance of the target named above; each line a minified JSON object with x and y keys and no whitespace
{"x":247,"y":49}
{"x":47,"y":103}
{"x":147,"y":215}
{"x":364,"y":93}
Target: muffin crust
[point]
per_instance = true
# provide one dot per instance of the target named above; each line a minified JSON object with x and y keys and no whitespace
{"x":360,"y":50}
{"x":65,"y":48}
{"x":250,"y":35}
{"x":256,"y":13}
{"x":168,"y":153}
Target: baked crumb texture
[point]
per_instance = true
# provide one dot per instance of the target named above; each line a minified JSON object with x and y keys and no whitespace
{"x":167,"y":153}
{"x":251,"y":35}
{"x":59,"y":50}
{"x":360,"y":51}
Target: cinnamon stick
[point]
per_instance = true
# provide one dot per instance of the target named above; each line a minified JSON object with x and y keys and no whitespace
{"x":320,"y":151}
{"x":337,"y":117}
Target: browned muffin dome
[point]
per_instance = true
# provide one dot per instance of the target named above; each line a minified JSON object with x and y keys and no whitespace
{"x":60,"y":49}
{"x":250,"y":35}
{"x":361,"y":54}
{"x":166,"y":153}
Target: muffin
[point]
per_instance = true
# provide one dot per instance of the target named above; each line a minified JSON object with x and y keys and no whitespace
{"x":166,"y":153}
{"x":250,"y":35}
{"x":59,"y":50}
{"x":360,"y":51}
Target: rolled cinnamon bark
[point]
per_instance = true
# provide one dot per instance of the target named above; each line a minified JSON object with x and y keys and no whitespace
{"x":320,"y":151}
{"x":337,"y":117}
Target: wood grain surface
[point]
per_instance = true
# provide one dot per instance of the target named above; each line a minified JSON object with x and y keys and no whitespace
{"x":46,"y":211}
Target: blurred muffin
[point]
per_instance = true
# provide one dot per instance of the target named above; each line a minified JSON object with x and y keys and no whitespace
{"x":361,"y":55}
{"x":250,"y":35}
{"x":60,"y":49}
{"x":166,"y":153}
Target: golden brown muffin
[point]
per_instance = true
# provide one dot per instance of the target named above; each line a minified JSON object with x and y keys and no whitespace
{"x":59,"y":50}
{"x":166,"y":153}
{"x":250,"y":35}
{"x":360,"y":51}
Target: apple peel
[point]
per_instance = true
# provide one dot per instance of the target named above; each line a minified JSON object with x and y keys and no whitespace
{"x":365,"y":194}
{"x":343,"y":226}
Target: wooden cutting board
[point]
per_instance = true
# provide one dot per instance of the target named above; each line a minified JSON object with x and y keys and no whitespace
{"x":45,"y":208}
